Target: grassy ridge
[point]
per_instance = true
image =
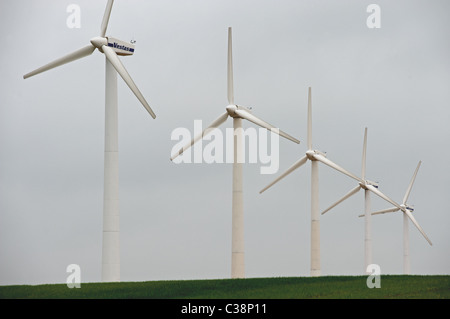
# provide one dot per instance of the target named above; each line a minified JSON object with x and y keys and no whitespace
{"x":330,"y":287}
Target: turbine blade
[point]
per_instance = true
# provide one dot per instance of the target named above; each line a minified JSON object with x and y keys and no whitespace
{"x":363,"y":165}
{"x":309,"y":137}
{"x":106,"y":16}
{"x":296,"y":165}
{"x":411,"y":184}
{"x":383,"y":211}
{"x":411,"y":217}
{"x":115,"y":61}
{"x":380,"y":194}
{"x":326,"y":161}
{"x":387,"y":210}
{"x":349,"y":194}
{"x":205,"y":132}
{"x":81,"y":53}
{"x":230,"y":69}
{"x":252,"y":118}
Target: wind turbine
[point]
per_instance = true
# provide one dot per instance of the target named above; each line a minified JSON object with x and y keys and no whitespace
{"x":111,"y":47}
{"x":407,"y":213}
{"x":238,"y":113}
{"x":314,"y":156}
{"x":368,"y":187}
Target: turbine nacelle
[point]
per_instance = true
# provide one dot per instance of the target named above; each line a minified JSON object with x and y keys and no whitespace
{"x":367,"y":183}
{"x":311,"y":153}
{"x":120,"y":47}
{"x":232,"y":108}
{"x":407,"y":207}
{"x":374,"y":184}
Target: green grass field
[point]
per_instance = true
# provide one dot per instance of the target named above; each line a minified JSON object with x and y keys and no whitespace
{"x":328,"y":287}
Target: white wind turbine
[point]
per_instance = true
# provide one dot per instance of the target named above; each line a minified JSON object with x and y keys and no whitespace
{"x":111,"y":47}
{"x":407,"y":213}
{"x":314,"y":156}
{"x":368,"y":187}
{"x":238,"y":113}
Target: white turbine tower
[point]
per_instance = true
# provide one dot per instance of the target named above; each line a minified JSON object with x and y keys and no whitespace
{"x":314,"y":156}
{"x":111,"y":48}
{"x":368,"y":187}
{"x":238,"y":113}
{"x":407,"y":213}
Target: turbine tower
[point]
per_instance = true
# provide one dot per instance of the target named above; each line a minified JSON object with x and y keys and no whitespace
{"x":111,"y":47}
{"x":368,"y":187}
{"x":315,"y":157}
{"x":407,"y":213}
{"x":238,"y":113}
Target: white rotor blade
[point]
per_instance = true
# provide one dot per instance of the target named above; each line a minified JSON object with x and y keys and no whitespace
{"x":380,"y":194}
{"x":106,"y":18}
{"x":350,"y":193}
{"x":326,"y":161}
{"x":296,"y":165}
{"x":411,"y":217}
{"x":115,"y":61}
{"x":411,"y":183}
{"x":383,"y":211}
{"x":250,"y":117}
{"x":363,"y":165}
{"x":230,"y":69}
{"x":205,"y":132}
{"x":81,"y":53}
{"x":309,"y":133}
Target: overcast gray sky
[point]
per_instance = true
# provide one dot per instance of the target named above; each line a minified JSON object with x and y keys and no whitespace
{"x":176,"y":219}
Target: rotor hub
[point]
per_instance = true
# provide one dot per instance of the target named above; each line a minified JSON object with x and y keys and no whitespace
{"x":310,"y":154}
{"x":231,"y":109}
{"x":98,"y":42}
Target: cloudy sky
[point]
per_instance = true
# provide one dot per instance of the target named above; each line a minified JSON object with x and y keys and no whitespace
{"x":176,"y":218}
